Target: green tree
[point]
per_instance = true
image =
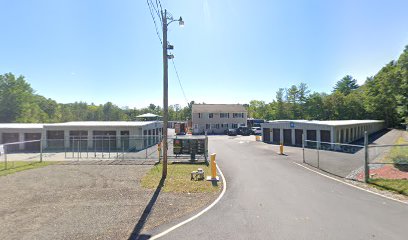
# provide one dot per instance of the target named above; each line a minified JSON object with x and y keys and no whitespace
{"x":15,"y":94}
{"x":346,"y":85}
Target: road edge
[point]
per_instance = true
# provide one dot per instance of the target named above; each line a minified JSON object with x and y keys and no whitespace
{"x":349,"y":184}
{"x":224,"y":188}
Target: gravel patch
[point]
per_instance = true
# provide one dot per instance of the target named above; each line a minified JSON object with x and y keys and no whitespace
{"x":86,"y":202}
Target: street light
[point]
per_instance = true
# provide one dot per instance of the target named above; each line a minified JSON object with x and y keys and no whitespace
{"x":165,"y":24}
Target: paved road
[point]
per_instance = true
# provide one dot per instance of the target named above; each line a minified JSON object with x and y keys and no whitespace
{"x":269,"y":197}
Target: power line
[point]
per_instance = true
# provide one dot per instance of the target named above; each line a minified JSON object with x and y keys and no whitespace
{"x":158,"y":4}
{"x":156,"y":10}
{"x":178,"y":78}
{"x":150,"y":5}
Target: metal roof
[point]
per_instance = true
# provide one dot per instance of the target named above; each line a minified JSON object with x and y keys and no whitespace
{"x":147,"y":115}
{"x":330,"y":122}
{"x":21,"y":125}
{"x":103,"y":124}
{"x":218,"y":108}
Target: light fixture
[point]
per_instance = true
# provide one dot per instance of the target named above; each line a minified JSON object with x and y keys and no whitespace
{"x":181,"y":22}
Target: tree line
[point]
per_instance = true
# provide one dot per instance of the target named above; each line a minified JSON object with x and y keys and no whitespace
{"x":383,"y":97}
{"x":20,"y":104}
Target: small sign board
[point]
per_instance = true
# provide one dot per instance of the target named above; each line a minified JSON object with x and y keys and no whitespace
{"x":1,"y":149}
{"x":292,"y":124}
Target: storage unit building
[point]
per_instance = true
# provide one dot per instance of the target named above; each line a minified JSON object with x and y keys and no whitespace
{"x":289,"y":132}
{"x":21,"y":132}
{"x":98,"y":135}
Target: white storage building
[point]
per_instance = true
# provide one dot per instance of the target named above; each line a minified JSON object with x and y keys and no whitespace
{"x":289,"y":132}
{"x":60,"y":135}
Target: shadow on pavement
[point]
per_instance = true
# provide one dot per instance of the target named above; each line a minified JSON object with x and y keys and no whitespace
{"x":140,"y":224}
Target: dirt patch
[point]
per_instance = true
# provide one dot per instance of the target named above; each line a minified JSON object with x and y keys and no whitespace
{"x":388,"y":172}
{"x":86,"y":202}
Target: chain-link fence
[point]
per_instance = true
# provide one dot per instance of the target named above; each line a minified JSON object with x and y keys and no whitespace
{"x":388,"y":161}
{"x":342,"y":160}
{"x":99,"y":148}
{"x":358,"y":162}
{"x":12,"y":155}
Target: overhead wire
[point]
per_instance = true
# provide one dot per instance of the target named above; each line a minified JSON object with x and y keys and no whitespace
{"x":150,"y":5}
{"x":179,"y":81}
{"x":153,"y":8}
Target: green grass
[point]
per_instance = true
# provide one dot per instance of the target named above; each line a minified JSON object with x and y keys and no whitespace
{"x":17,"y":166}
{"x":395,"y":185}
{"x":178,"y":179}
{"x":399,"y":154}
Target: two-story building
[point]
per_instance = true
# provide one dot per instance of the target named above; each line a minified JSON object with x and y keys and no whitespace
{"x":217,"y":118}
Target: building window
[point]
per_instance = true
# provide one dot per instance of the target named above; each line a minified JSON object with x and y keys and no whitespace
{"x":238,"y":115}
{"x":210,"y":115}
{"x":199,"y":115}
{"x":207,"y":126}
{"x":234,"y":125}
{"x":217,"y":126}
{"x":195,"y":126}
{"x":224,"y":115}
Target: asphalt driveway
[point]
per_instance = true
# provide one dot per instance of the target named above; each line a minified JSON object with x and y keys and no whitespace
{"x":270,"y":197}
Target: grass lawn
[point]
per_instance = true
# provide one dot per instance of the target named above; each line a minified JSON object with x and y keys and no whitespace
{"x":17,"y":166}
{"x":395,"y":185}
{"x":399,"y":154}
{"x":178,"y":179}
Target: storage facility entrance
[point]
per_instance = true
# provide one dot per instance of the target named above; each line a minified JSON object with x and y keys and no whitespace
{"x":287,"y":136}
{"x":55,"y":139}
{"x":311,"y":135}
{"x":266,"y":134}
{"x":298,"y":137}
{"x":32,"y":146}
{"x":325,"y":136}
{"x":104,"y":140}
{"x":10,"y":138}
{"x":124,"y":138}
{"x":276,"y":135}
{"x":78,"y":140}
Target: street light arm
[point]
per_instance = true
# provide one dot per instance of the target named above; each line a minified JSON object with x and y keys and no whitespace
{"x":171,"y":19}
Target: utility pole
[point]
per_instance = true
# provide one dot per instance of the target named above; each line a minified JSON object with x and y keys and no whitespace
{"x":165,"y":92}
{"x":166,"y":47}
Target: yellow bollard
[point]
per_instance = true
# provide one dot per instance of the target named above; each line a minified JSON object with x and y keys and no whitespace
{"x":213,"y":176}
{"x":257,"y":138}
{"x":281,"y":149}
{"x":159,"y":150}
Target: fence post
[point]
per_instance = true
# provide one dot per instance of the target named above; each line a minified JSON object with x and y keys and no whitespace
{"x":206,"y":147}
{"x":123,"y":149}
{"x":78,"y":150}
{"x":366,"y":169}
{"x":109,"y":145}
{"x":303,"y":148}
{"x":94,"y":145}
{"x":41,"y":151}
{"x":318,"y":157}
{"x":103,"y":144}
{"x":5,"y":157}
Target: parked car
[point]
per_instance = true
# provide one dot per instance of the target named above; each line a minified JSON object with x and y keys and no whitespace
{"x":256,"y":130}
{"x":244,"y":131}
{"x":232,"y":132}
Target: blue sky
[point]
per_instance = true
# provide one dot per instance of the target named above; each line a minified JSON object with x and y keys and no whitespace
{"x":229,"y":51}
